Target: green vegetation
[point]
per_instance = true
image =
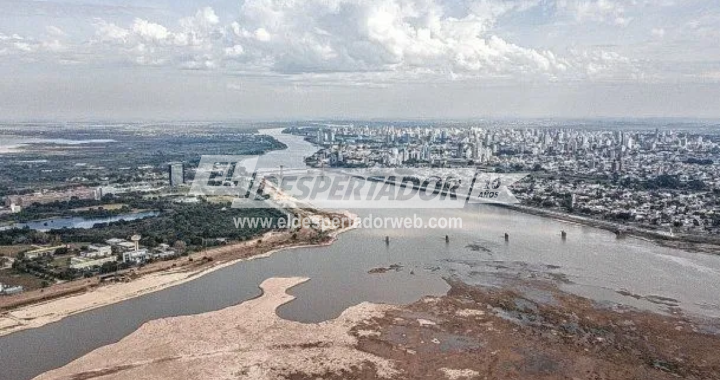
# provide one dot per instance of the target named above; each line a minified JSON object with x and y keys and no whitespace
{"x":185,"y":227}
{"x":132,"y":155}
{"x":136,"y":153}
{"x":194,"y":224}
{"x":84,"y":208}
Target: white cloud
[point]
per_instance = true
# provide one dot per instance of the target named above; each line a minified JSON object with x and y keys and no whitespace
{"x":106,"y":31}
{"x":234,"y":51}
{"x":24,"y":46}
{"x":262,"y":35}
{"x":412,"y":36}
{"x":55,"y":31}
{"x":610,"y":11}
{"x":29,"y":47}
{"x":53,"y":46}
{"x":199,"y":63}
{"x":197,"y":29}
{"x":204,"y":18}
{"x":418,"y":40}
{"x":150,"y":31}
{"x":707,"y":26}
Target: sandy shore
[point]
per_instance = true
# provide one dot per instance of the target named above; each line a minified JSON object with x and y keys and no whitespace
{"x":41,"y":313}
{"x":247,"y":341}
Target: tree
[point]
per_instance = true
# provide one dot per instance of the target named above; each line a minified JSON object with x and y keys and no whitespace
{"x":696,"y":185}
{"x":109,"y":267}
{"x":180,"y":246}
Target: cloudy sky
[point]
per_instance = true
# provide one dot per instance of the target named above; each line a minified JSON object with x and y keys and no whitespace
{"x":285,"y":59}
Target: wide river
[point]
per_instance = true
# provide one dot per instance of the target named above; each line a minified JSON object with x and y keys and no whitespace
{"x":591,"y":262}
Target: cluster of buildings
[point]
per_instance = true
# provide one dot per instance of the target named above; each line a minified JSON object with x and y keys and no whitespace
{"x":96,"y":258}
{"x":392,"y":146}
{"x":15,"y":203}
{"x":128,"y":251}
{"x":48,"y":196}
{"x":660,"y":178}
{"x":395,"y":146}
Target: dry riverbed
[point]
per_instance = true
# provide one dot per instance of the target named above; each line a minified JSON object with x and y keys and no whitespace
{"x":528,"y":330}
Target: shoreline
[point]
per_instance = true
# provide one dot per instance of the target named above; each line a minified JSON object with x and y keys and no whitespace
{"x":89,"y":297}
{"x":70,"y":215}
{"x":688,"y":242}
{"x":248,"y":340}
{"x":691,"y":243}
{"x":530,"y":329}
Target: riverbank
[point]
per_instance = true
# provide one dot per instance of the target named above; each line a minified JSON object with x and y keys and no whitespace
{"x":248,"y":341}
{"x":688,"y":242}
{"x":528,"y":329}
{"x":37,"y":308}
{"x":693,"y":243}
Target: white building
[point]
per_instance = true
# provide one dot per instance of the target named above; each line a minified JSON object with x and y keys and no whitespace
{"x":10,"y":290}
{"x":84,"y":262}
{"x":121,"y":245}
{"x":42,"y":252}
{"x":166,"y":254}
{"x":97,"y":251}
{"x":136,"y":257}
{"x":114,"y":241}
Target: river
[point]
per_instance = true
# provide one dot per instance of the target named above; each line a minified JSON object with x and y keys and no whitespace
{"x":77,"y":222}
{"x":10,"y":144}
{"x":590,"y":262}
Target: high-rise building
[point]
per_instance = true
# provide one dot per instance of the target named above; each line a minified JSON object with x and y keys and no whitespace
{"x":177,"y":175}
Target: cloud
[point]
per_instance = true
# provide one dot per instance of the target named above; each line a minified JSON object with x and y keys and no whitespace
{"x":418,"y":40}
{"x":55,"y":31}
{"x":706,"y":26}
{"x":106,"y":31}
{"x":426,"y":36}
{"x":150,"y":31}
{"x":24,"y":46}
{"x":204,"y":19}
{"x":261,"y":34}
{"x":53,"y":46}
{"x":609,"y":11}
{"x":234,"y":51}
{"x":384,"y":57}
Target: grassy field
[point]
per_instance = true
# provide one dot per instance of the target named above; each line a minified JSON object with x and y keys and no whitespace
{"x":113,"y":206}
{"x":13,"y":250}
{"x":62,"y":260}
{"x":12,"y":278}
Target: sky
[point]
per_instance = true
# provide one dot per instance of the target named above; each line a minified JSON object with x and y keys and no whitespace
{"x":309,"y":59}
